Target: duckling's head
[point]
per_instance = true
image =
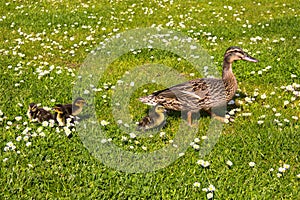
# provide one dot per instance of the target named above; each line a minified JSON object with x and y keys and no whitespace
{"x":160,"y":109}
{"x":80,"y":102}
{"x":236,"y":53}
{"x":33,"y":107}
{"x":59,"y":109}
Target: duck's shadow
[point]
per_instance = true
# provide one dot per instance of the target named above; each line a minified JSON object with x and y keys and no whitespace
{"x":184,"y":116}
{"x":83,"y":117}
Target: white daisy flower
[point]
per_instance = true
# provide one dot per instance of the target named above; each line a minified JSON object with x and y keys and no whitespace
{"x":162,"y":134}
{"x":286,"y":166}
{"x":18,"y":118}
{"x":19,"y":138}
{"x":104,"y":123}
{"x":211,"y":188}
{"x":209,"y":195}
{"x":28,"y":144}
{"x":229,"y":163}
{"x":45,"y":123}
{"x":251,"y":164}
{"x":196,"y":184}
{"x":132,"y":135}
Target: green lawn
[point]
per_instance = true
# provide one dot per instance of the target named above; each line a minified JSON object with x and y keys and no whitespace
{"x":45,"y":49}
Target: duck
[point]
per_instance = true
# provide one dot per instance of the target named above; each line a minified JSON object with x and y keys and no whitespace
{"x":61,"y":115}
{"x":156,"y":119}
{"x":39,"y":114}
{"x":76,"y":107}
{"x":208,"y":94}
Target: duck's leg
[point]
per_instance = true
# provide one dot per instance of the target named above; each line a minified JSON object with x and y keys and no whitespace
{"x":189,"y":118}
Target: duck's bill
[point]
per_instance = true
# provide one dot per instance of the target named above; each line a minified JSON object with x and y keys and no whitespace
{"x":250,"y":59}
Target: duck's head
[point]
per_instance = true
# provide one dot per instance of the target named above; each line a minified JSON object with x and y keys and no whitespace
{"x":32,"y":107}
{"x":236,"y":53}
{"x":80,"y":102}
{"x":58,"y":109}
{"x":160,"y":109}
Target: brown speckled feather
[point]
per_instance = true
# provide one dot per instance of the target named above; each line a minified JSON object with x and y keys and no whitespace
{"x":192,"y":95}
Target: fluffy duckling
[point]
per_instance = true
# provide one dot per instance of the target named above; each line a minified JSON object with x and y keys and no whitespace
{"x":76,"y":107}
{"x":155,"y":120}
{"x":61,"y":115}
{"x":39,"y":114}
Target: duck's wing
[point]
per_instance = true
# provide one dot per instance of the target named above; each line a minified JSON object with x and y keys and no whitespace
{"x":186,"y":96}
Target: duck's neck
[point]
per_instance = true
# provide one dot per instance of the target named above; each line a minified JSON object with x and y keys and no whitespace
{"x":227,"y":70}
{"x":229,"y":80}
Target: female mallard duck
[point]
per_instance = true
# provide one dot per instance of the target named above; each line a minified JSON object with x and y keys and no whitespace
{"x":39,"y":114}
{"x":155,"y":120}
{"x":204,"y":93}
{"x":75,"y":108}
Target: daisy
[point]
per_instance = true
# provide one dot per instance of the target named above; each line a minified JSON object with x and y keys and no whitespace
{"x":251,"y":164}
{"x":260,"y":122}
{"x":18,"y":118}
{"x":104,"y":123}
{"x":209,"y":195}
{"x":28,"y":144}
{"x":196,"y":146}
{"x":196,"y":140}
{"x":45,"y":123}
{"x":229,"y":163}
{"x":211,"y":188}
{"x":196,"y":184}
{"x":286,"y":166}
{"x":263,"y":96}
{"x":281,"y":169}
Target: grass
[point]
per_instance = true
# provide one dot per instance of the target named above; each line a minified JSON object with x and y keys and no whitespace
{"x":43,"y":47}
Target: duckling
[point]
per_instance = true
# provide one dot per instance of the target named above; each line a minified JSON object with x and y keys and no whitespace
{"x":75,"y":108}
{"x":155,"y":120}
{"x":202,"y":93}
{"x":39,"y":114}
{"x":60,"y":115}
